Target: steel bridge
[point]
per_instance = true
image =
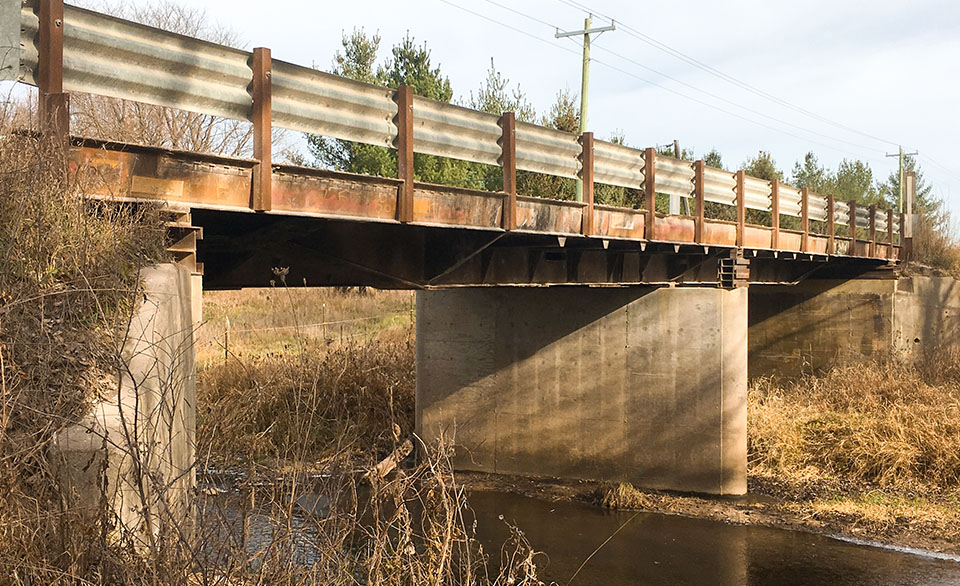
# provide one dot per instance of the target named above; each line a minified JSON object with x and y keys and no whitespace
{"x":334,"y":228}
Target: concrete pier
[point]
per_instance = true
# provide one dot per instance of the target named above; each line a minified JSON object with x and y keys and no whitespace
{"x":818,"y":324}
{"x":643,"y":385}
{"x":140,"y":434}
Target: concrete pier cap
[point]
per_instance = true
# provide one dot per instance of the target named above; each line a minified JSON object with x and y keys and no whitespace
{"x":644,"y":385}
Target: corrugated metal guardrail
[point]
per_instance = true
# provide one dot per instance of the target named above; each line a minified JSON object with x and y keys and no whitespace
{"x":121,"y":59}
{"x":117,"y":58}
{"x":545,"y":150}
{"x":673,"y":176}
{"x":308,"y":100}
{"x":616,"y":164}
{"x":455,"y":132}
{"x":756,"y":193}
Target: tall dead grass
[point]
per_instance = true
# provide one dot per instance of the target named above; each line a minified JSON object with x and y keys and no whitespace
{"x":884,"y":424}
{"x":68,"y":277}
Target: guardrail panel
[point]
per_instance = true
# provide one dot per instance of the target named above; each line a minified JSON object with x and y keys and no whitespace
{"x":308,"y":100}
{"x":545,"y":150}
{"x":458,"y":133}
{"x":673,"y":176}
{"x":120,"y":59}
{"x":615,"y":164}
{"x":756,"y":194}
{"x":789,"y":200}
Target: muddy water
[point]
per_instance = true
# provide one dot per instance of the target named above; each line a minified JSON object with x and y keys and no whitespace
{"x":656,"y":550}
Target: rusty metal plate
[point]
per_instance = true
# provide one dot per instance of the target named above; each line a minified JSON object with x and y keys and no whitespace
{"x":674,"y":229}
{"x":618,"y":223}
{"x":757,"y":237}
{"x":159,"y":175}
{"x":335,"y":195}
{"x":719,"y":233}
{"x":549,"y":216}
{"x":458,"y":207}
{"x":817,"y":244}
{"x":790,"y":240}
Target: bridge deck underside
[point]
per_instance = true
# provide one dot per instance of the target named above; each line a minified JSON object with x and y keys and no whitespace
{"x":334,"y":228}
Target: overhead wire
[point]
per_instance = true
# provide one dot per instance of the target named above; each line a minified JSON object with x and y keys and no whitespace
{"x":693,"y":87}
{"x":724,"y":76}
{"x":650,"y":82}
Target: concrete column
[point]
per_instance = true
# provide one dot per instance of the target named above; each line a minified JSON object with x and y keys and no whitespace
{"x":140,"y":434}
{"x":643,"y":385}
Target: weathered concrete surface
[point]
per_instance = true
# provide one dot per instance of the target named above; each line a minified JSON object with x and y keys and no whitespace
{"x":140,"y":435}
{"x":821,"y":323}
{"x":642,"y":385}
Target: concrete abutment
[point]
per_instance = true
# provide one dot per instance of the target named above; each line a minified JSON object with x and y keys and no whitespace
{"x":642,"y":385}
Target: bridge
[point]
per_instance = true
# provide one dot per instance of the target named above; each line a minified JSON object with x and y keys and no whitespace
{"x":558,"y":338}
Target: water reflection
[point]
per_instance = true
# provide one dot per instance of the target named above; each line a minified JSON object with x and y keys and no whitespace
{"x":660,"y":550}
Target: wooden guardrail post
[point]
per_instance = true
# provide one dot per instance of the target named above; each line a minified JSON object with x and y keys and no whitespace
{"x":889,"y":233}
{"x":699,"y":168}
{"x":508,"y":159}
{"x":831,"y":225}
{"x":405,"y":153}
{"x":805,"y":219}
{"x":54,"y":103}
{"x":586,"y":176}
{"x":873,"y":231}
{"x":649,"y":193}
{"x":741,"y":207}
{"x":852,"y":221}
{"x":775,"y":213}
{"x":262,"y":130}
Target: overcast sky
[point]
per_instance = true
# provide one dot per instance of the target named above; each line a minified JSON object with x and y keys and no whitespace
{"x":890,"y":70}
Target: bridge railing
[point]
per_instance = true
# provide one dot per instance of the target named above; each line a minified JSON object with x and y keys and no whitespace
{"x":70,"y":49}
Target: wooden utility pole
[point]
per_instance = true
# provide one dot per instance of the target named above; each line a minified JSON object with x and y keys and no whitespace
{"x":585,"y":74}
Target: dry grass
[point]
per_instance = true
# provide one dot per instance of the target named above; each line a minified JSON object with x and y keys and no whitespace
{"x":881,"y":424}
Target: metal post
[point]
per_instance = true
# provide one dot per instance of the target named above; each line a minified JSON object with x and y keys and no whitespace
{"x":698,"y":196}
{"x":586,"y":160}
{"x":262,"y":130}
{"x":775,"y":213}
{"x":741,"y":208}
{"x":889,"y":233}
{"x":54,"y":103}
{"x":649,"y":193}
{"x":805,"y":219}
{"x":831,"y":225}
{"x":508,"y":158}
{"x":873,"y":231}
{"x":852,"y":222}
{"x":405,"y":153}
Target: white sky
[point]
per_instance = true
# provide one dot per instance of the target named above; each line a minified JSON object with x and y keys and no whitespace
{"x":890,"y":69}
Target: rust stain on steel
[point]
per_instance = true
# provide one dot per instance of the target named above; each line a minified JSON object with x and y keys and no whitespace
{"x":757,"y":237}
{"x":790,"y":240}
{"x":334,"y":195}
{"x":719,"y":233}
{"x":545,"y":215}
{"x":159,"y":175}
{"x":438,"y":205}
{"x":618,"y":222}
{"x":674,"y":229}
{"x":817,"y":243}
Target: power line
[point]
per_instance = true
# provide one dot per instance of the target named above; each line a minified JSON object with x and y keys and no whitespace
{"x":726,"y":77}
{"x":655,"y":84}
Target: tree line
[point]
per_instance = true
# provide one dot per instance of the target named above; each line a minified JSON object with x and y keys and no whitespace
{"x":411,"y":63}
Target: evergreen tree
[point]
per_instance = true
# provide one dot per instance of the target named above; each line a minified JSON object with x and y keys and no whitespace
{"x":762,"y":167}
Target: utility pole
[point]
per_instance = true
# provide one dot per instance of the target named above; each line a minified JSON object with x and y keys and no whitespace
{"x":585,"y":74}
{"x":900,"y":155}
